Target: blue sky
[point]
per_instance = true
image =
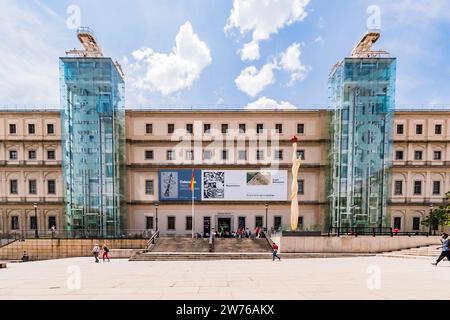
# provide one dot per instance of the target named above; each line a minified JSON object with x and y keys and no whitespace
{"x":298,"y":41}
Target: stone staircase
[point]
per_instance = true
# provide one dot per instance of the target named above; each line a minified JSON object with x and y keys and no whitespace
{"x":241,"y":245}
{"x":183,"y":249}
{"x":425,"y":252}
{"x":179,"y":244}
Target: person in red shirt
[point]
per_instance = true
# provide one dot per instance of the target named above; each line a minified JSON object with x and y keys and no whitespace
{"x":274,"y":252}
{"x":105,"y":252}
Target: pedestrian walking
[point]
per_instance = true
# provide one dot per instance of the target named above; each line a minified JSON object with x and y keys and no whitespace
{"x":275,"y":252}
{"x":105,"y":252}
{"x":445,"y":252}
{"x":96,"y":252}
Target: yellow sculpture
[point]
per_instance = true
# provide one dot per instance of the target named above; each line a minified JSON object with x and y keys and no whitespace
{"x":294,"y":187}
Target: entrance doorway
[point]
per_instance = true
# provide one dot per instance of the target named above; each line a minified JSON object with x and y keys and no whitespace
{"x":206,"y":226}
{"x":224,"y":224}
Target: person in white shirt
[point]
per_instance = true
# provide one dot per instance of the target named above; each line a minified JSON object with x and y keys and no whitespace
{"x":96,"y":252}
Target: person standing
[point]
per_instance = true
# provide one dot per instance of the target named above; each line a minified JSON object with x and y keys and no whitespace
{"x":105,"y":252}
{"x":445,"y":252}
{"x":53,"y":230}
{"x":275,"y":252}
{"x":96,"y":252}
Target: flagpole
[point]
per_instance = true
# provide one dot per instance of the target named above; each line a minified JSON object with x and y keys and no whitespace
{"x":193,"y":213}
{"x":192,"y":193}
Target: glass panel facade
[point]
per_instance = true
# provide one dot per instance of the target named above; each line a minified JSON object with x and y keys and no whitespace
{"x":362,"y":93}
{"x":93,"y":145}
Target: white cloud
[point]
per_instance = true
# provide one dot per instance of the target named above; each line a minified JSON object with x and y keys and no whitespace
{"x":263,"y":18}
{"x":251,"y":81}
{"x":266,"y":103}
{"x":169,"y":73}
{"x":290,"y":61}
{"x":30,"y":46}
{"x":319,"y":39}
{"x":250,"y":51}
{"x":416,"y":13}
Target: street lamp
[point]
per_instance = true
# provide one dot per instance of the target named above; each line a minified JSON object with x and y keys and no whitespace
{"x":36,"y":221}
{"x":267,"y":209}
{"x":156,"y":210}
{"x":431,"y":219}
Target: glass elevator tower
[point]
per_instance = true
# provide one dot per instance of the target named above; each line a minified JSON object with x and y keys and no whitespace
{"x":362,"y":94}
{"x":93,"y":141}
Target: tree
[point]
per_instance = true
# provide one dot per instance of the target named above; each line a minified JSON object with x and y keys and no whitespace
{"x":439,"y":216}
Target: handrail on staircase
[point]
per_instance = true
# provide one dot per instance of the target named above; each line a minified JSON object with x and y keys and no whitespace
{"x":269,"y":240}
{"x":152,"y":240}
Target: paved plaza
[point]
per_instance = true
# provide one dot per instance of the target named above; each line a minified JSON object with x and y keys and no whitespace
{"x":332,"y":278}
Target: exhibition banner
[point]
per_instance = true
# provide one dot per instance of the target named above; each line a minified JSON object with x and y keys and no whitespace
{"x":174,"y":185}
{"x":244,"y":185}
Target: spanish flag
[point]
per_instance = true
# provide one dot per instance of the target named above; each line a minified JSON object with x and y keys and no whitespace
{"x":191,"y":185}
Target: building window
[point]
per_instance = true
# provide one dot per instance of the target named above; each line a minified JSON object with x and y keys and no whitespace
{"x":12,"y":128}
{"x":242,"y":128}
{"x":170,"y":223}
{"x":399,"y":155}
{"x":50,"y":154}
{"x":277,"y":222}
{"x":300,"y":128}
{"x":207,"y":128}
{"x":398,"y":187}
{"x":148,"y":154}
{"x":148,"y":223}
{"x":417,"y":187}
{"x":148,"y":186}
{"x":31,"y":128}
{"x":258,"y":221}
{"x":32,"y":187}
{"x":438,"y":129}
{"x":207,"y":155}
{"x":242,"y":154}
{"x":241,"y":222}
{"x":301,"y":154}
{"x":189,"y":128}
{"x":224,"y":128}
{"x":400,"y":129}
{"x":13,"y":187}
{"x":301,"y":186}
{"x":278,"y":154}
{"x":259,"y":128}
{"x":278,"y":128}
{"x":51,"y":187}
{"x":189,"y":155}
{"x":300,"y":223}
{"x":31,"y":154}
{"x":14,"y":223}
{"x":189,"y":223}
{"x":33,"y":223}
{"x":149,"y":128}
{"x":436,"y":188}
{"x":12,"y":154}
{"x":416,"y":223}
{"x":418,"y":154}
{"x":170,"y":155}
{"x":170,"y":128}
{"x":419,"y":128}
{"x":50,"y":128}
{"x":224,"y":154}
{"x":398,"y":223}
{"x":437,"y":155}
{"x":51,"y":222}
{"x":259,"y":154}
